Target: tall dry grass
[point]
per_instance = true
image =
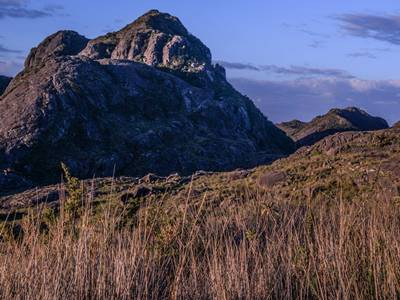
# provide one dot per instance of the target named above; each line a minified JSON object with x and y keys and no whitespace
{"x":254,"y":248}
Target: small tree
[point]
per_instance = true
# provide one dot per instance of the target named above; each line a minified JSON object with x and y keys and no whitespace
{"x":73,"y":203}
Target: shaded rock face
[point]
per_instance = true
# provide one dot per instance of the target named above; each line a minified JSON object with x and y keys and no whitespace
{"x":107,"y":112}
{"x":397,"y":125}
{"x":336,"y":120}
{"x":4,"y":81}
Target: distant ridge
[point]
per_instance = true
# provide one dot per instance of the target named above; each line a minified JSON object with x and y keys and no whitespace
{"x":336,"y":120}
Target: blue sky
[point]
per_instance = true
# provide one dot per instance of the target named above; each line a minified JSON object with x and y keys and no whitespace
{"x":295,"y":59}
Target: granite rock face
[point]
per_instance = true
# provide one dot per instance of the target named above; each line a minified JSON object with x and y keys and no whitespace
{"x":4,"y":82}
{"x":336,"y":120}
{"x":156,"y":39}
{"x":144,"y":99}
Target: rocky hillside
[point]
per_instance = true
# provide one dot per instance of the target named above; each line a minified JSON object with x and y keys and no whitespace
{"x":144,"y":99}
{"x":397,"y":125}
{"x":4,"y":81}
{"x":350,"y":165}
{"x":336,"y":120}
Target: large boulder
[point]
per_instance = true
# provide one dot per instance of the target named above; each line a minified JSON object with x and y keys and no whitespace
{"x":336,"y":120}
{"x":110,"y":109}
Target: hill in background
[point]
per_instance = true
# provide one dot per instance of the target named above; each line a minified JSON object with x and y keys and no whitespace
{"x":336,"y":120}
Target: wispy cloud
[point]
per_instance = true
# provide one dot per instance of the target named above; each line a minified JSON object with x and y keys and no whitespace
{"x":238,"y":66}
{"x":304,"y":28}
{"x":379,"y":27}
{"x":314,"y":34}
{"x":298,"y":71}
{"x":316,"y":44}
{"x":53,"y":7}
{"x":307,"y":71}
{"x":362,"y":54}
{"x":6,"y":50}
{"x":21,"y":9}
{"x":14,"y":3}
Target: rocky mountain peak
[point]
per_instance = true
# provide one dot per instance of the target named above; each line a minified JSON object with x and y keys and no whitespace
{"x":145,"y":99}
{"x":352,"y":109}
{"x":360,"y":119}
{"x":397,"y":125}
{"x":156,"y":39}
{"x":61,"y":43}
{"x":158,"y":21}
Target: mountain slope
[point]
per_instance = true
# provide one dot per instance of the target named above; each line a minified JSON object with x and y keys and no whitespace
{"x":349,"y":165}
{"x":144,"y":99}
{"x":336,"y":120}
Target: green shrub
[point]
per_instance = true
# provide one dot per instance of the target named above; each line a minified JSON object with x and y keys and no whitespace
{"x":73,"y":203}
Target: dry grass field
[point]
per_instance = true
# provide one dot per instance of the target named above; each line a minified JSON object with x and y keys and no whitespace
{"x":325,"y":226}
